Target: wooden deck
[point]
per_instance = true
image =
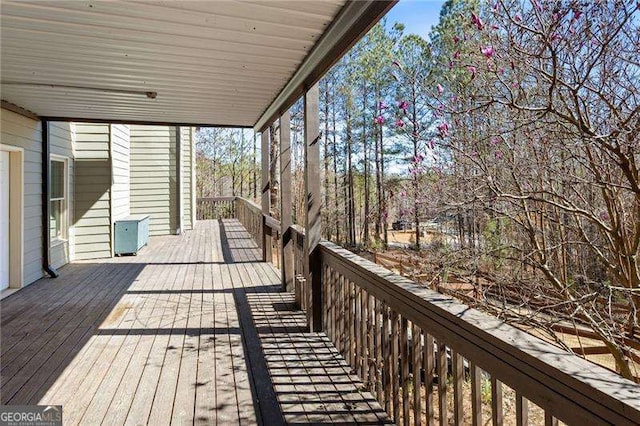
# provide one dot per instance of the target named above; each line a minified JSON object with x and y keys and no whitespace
{"x":192,"y":330}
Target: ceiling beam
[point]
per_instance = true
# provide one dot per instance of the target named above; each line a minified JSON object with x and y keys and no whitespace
{"x":19,"y":110}
{"x":141,"y":122}
{"x":351,"y":23}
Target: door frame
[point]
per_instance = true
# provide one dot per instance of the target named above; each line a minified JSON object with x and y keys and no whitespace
{"x":16,"y":215}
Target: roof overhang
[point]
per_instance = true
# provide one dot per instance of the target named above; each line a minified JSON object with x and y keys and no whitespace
{"x":217,"y":63}
{"x":355,"y":19}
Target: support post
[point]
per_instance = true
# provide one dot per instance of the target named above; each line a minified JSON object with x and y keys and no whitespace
{"x":266,"y":187}
{"x":285,"y":202}
{"x":179,"y":180}
{"x":312,"y":221}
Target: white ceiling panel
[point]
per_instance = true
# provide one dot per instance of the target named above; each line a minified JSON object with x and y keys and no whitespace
{"x":210,"y":62}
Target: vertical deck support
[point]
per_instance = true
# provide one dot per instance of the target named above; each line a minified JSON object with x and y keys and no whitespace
{"x":266,"y":187}
{"x":313,"y":201}
{"x":285,"y":202}
{"x":179,"y":180}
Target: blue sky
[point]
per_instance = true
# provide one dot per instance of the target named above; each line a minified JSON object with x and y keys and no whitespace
{"x":417,"y":15}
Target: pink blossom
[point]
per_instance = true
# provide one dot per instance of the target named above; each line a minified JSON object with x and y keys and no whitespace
{"x":456,"y":39}
{"x":443,"y":128}
{"x":432,"y":144}
{"x":440,"y":89}
{"x":517,"y":18}
{"x":475,"y":20}
{"x":604,"y":216}
{"x":495,"y":140}
{"x":403,"y":105}
{"x":456,"y":54}
{"x":472,"y":70}
{"x":383,"y":105}
{"x":399,"y":122}
{"x":487,"y":51}
{"x":378,"y":120}
{"x":499,"y":155}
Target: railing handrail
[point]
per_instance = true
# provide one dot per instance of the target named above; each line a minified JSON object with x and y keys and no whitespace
{"x":214,"y":199}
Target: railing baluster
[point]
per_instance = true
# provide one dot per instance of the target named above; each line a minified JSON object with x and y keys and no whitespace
{"x":416,"y":340}
{"x":476,"y":395}
{"x":352,"y":326}
{"x":442,"y":383}
{"x":404,"y":367}
{"x":394,"y":365}
{"x":522,"y":410}
{"x":379,"y":348}
{"x":357,"y":337}
{"x":388,"y":371}
{"x":496,"y":401}
{"x":429,"y":370}
{"x":549,"y":420}
{"x":458,"y":378}
{"x":362,"y":326}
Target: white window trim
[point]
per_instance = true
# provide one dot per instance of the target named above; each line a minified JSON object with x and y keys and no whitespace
{"x":65,"y":160}
{"x":16,"y":265}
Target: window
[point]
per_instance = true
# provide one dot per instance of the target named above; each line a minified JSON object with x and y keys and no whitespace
{"x":58,"y":200}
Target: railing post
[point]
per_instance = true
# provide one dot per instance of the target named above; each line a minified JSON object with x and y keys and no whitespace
{"x":312,"y":221}
{"x":266,"y":187}
{"x":286,"y":269}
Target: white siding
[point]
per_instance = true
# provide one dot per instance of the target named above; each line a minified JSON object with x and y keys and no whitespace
{"x":92,"y":191}
{"x":153,"y":176}
{"x":61,"y":137}
{"x":121,"y":168}
{"x":25,"y":133}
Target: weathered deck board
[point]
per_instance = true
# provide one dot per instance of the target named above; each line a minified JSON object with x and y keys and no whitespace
{"x":193,"y":330}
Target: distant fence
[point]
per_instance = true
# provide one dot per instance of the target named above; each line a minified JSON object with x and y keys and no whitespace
{"x":215,"y":208}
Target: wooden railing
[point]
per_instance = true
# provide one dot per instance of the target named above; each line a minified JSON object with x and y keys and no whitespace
{"x":302,"y":289}
{"x":250,"y":215}
{"x":215,"y":208}
{"x":428,"y":358}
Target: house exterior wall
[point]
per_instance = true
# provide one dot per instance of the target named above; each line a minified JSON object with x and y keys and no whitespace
{"x":153,"y":176}
{"x":22,"y":132}
{"x":112,"y":171}
{"x":92,"y":191}
{"x":61,"y":137}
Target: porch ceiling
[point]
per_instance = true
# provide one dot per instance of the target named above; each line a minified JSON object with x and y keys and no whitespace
{"x":214,"y":62}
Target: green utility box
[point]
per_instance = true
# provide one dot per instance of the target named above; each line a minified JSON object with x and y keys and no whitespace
{"x":131,"y":233}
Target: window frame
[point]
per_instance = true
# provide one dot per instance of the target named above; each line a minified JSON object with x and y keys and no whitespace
{"x":64,"y":237}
